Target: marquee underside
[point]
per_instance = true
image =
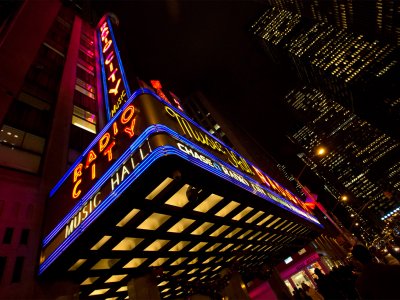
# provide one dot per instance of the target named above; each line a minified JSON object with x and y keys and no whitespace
{"x":183,"y":219}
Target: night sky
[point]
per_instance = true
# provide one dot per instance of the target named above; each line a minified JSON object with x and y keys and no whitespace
{"x":207,"y":45}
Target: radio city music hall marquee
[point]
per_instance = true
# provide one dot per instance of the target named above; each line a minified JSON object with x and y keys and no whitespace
{"x":127,"y":147}
{"x":125,"y":144}
{"x":116,"y":89}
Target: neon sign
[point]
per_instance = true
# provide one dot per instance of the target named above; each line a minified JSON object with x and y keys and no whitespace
{"x":86,"y":171}
{"x":230,"y":156}
{"x":209,"y":141}
{"x":136,"y":137}
{"x":116,"y":89}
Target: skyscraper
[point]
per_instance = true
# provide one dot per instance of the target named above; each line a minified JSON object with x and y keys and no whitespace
{"x":355,"y":70}
{"x":375,"y":18}
{"x":348,"y":96}
{"x":361,"y":159}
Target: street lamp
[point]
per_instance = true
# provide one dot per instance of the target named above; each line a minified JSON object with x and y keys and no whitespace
{"x":342,"y":198}
{"x":319,"y":151}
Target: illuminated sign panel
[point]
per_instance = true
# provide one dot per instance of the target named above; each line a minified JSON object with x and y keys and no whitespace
{"x":144,"y":130}
{"x":116,"y":89}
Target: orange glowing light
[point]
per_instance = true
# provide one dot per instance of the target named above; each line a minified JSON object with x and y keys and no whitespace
{"x":75,"y":193}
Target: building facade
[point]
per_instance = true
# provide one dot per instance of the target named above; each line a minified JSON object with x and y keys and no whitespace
{"x":346,"y":80}
{"x":360,"y":156}
{"x":105,"y":183}
{"x":357,"y":71}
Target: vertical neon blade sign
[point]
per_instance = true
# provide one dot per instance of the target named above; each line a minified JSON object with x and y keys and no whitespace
{"x":115,"y":86}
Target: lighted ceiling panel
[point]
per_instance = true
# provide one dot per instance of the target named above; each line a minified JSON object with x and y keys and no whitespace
{"x":167,"y":239}
{"x":169,"y":209}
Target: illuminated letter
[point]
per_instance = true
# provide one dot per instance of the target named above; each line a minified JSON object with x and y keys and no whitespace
{"x":85,"y":212}
{"x":69,"y":228}
{"x":91,"y":157}
{"x":109,"y":58}
{"x":261,"y":176}
{"x":107,"y":46}
{"x":77,"y":171}
{"x":170,"y":111}
{"x":113,"y":182}
{"x":125,"y":119}
{"x":108,"y":151}
{"x":115,"y":128}
{"x":115,"y":89}
{"x":124,"y":171}
{"x":104,"y":141}
{"x":93,"y":171}
{"x":112,"y":75}
{"x":95,"y":201}
{"x":104,"y":35}
{"x":104,"y":28}
{"x":131,"y":129}
{"x":75,"y":194}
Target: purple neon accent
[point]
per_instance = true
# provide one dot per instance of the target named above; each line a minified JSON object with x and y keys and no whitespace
{"x":121,"y":67}
{"x":135,"y":145}
{"x":276,"y":199}
{"x":96,"y":139}
{"x":150,"y":130}
{"x":103,"y":76}
{"x":153,"y":156}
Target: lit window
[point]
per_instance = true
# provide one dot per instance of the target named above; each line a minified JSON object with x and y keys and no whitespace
{"x":105,"y":263}
{"x":154,"y":221}
{"x":242,"y":213}
{"x":127,"y":244}
{"x":159,"y":188}
{"x":134,"y":263}
{"x":179,"y":199}
{"x":227,"y":209}
{"x":208,"y":203}
{"x":156,"y":245}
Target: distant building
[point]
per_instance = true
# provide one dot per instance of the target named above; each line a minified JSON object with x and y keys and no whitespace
{"x":375,"y":18}
{"x":356,"y":71}
{"x":361,"y":159}
{"x":349,"y":99}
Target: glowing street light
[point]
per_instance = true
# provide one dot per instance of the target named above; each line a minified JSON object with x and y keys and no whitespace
{"x":321,"y":151}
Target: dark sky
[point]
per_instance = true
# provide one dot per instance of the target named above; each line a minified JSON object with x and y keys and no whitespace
{"x":207,"y":45}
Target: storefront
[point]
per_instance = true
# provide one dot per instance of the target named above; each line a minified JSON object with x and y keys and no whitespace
{"x":300,"y":268}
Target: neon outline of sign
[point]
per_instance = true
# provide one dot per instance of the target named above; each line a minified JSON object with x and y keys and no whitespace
{"x":97,"y":138}
{"x":134,"y":95}
{"x":121,"y":67}
{"x":158,"y":128}
{"x":152,"y":157}
{"x":135,"y":144}
{"x":122,"y":71}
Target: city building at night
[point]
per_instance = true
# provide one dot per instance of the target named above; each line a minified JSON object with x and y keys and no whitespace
{"x":107,"y":184}
{"x":347,"y":100}
{"x":375,"y":18}
{"x":355,"y":70}
{"x":361,"y":160}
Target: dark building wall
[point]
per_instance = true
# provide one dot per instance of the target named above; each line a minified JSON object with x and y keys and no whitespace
{"x":43,"y":50}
